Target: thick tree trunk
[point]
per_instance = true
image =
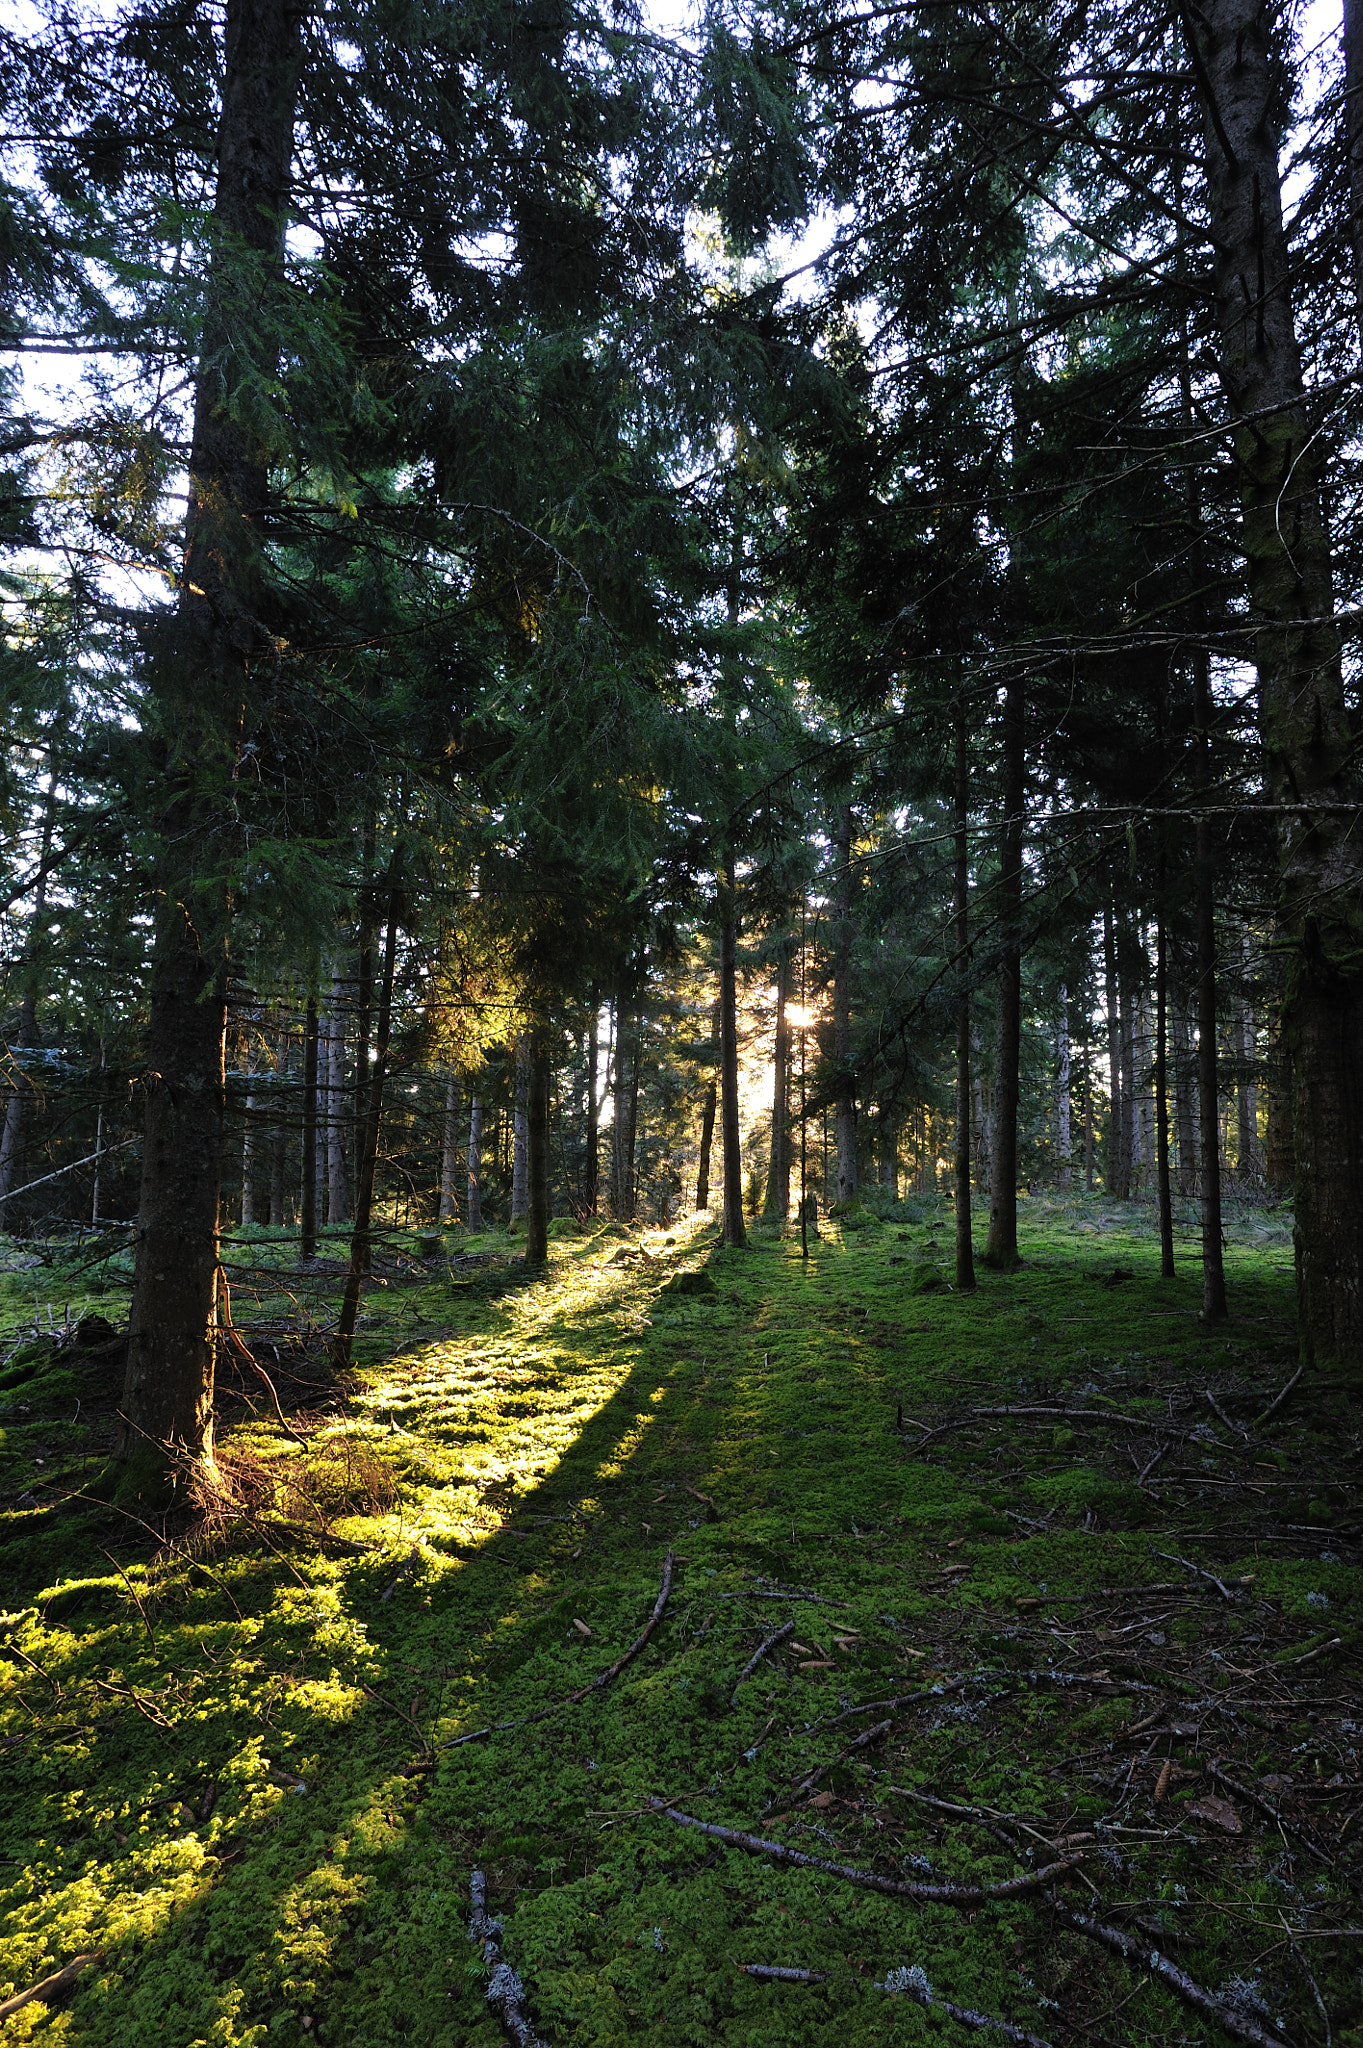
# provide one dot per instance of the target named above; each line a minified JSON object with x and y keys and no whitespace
{"x":520,"y":1141}
{"x":1353,"y":136}
{"x":474,"y":1211}
{"x":248,"y":1148}
{"x":308,"y":1204}
{"x":1001,"y":1248}
{"x":537,"y":1158}
{"x":734,"y":1232}
{"x":1208,"y":1105}
{"x":203,"y":711}
{"x":965,"y":1249}
{"x":1164,"y":1190}
{"x":1064,"y":1139}
{"x":845,"y":1106}
{"x":279,"y":1143}
{"x":12,"y":1133}
{"x":1118,"y":1172}
{"x":1310,"y":751}
{"x":707,"y":1136}
{"x":449,"y":1150}
{"x":777,"y":1203}
{"x":1185,"y":1092}
{"x":1090,"y":1149}
{"x":624,"y":1106}
{"x":591,"y":1167}
{"x":1248,"y":1165}
{"x":367,"y":1159}
{"x":338,"y":1192}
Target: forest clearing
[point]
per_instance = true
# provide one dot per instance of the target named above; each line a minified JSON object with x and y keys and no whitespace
{"x":1038,"y":1588}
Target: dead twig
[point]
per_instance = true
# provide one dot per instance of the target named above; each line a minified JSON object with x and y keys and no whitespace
{"x":1233,"y":1785}
{"x":49,"y":1987}
{"x":1276,"y":1403}
{"x":776,"y":1973}
{"x":867,"y":1736}
{"x":1200,"y":1570}
{"x":584,"y":1692}
{"x":778,"y":1636}
{"x":1219,"y":1412}
{"x":505,"y":1991}
{"x":871,"y":1880}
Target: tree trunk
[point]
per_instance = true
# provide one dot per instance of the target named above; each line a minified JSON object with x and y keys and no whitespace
{"x":1117,"y":1175}
{"x":1064,"y":1139}
{"x":845,"y":1106}
{"x":12,"y":1135}
{"x":1165,"y":1193}
{"x":1001,"y":1248}
{"x":591,"y":1168}
{"x":778,"y":1177}
{"x":367,"y":1151}
{"x":624,"y":1099}
{"x":1249,"y":1166}
{"x":537,"y":1158}
{"x":279,"y":1142}
{"x":1208,"y":1107}
{"x":449,"y":1151}
{"x":203,"y":710}
{"x":1185,"y":1092}
{"x":520,"y":1127}
{"x":1309,"y":749}
{"x":1353,"y":136}
{"x":248,"y":1148}
{"x":734,"y":1232}
{"x":1090,"y":1149}
{"x":308,"y":1218}
{"x":474,"y":1211}
{"x":707,"y":1134}
{"x":965,"y":1250}
{"x":338,"y":1193}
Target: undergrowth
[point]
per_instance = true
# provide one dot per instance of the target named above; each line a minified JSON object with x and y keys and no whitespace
{"x":1115,"y":1628}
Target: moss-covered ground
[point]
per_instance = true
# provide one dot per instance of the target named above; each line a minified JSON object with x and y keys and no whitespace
{"x":1122,"y":1637}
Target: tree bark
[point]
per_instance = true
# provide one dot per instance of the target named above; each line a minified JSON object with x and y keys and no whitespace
{"x":591,"y":1168}
{"x":965,"y":1250}
{"x":449,"y":1150}
{"x":1001,"y":1247}
{"x":474,"y":1210}
{"x":203,"y":711}
{"x":1249,"y":1166}
{"x":1310,"y":753}
{"x":777,"y":1203}
{"x":734,"y":1232}
{"x":367,"y":1161}
{"x":12,"y":1134}
{"x":624,"y":1101}
{"x":1064,"y":1138}
{"x":338,"y":1193}
{"x":308,"y":1206}
{"x":1118,"y":1174}
{"x":707,"y":1135}
{"x":520,"y":1157}
{"x":1165,"y":1192}
{"x":1353,"y":138}
{"x":537,"y":1157}
{"x":1208,"y":1108}
{"x":845,"y":1105}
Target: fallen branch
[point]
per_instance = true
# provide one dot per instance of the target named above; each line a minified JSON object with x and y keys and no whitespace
{"x":913,"y":1984}
{"x":1220,"y":1777}
{"x":505,"y":1991}
{"x":779,"y":1636}
{"x":868,"y":1735}
{"x":776,"y":1973}
{"x":1276,"y":1403}
{"x":1219,"y":1412}
{"x":871,"y":1880}
{"x":1201,"y":1571}
{"x":1169,"y":1973}
{"x":574,"y":1698}
{"x":49,"y":1987}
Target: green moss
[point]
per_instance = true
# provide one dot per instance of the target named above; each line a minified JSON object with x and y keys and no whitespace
{"x":219,"y":1748}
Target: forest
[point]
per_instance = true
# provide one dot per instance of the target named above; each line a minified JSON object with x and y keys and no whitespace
{"x":681,"y":1023}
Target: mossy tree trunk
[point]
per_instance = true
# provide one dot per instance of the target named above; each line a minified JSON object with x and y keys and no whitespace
{"x":1001,"y":1247}
{"x":204,"y":709}
{"x":1310,"y":751}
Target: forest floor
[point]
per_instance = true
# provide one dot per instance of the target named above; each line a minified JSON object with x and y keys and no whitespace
{"x":1051,"y":1583}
